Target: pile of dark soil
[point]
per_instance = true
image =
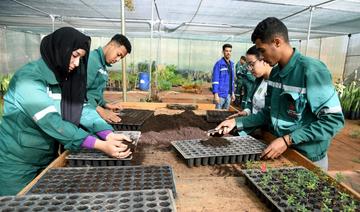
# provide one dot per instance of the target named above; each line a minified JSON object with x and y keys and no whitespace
{"x":160,"y":130}
{"x":172,"y":122}
{"x":215,"y":142}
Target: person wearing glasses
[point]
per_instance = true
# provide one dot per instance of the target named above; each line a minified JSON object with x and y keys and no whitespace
{"x":261,"y":70}
{"x":302,"y":107}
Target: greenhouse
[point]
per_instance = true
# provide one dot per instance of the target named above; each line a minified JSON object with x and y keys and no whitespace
{"x":154,"y":105}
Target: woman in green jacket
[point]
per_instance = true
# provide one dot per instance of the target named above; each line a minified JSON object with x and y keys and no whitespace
{"x":261,"y":70}
{"x":44,"y":106}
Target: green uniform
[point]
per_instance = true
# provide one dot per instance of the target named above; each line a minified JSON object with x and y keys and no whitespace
{"x":301,"y":101}
{"x":97,"y":77}
{"x":240,"y":72}
{"x":248,"y":87}
{"x":32,"y":126}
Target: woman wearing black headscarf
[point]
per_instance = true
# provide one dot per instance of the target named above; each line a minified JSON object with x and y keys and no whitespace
{"x":44,"y":106}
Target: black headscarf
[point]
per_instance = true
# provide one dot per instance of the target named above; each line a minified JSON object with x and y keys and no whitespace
{"x":56,"y":50}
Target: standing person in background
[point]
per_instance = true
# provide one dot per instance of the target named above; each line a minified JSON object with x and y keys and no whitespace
{"x":44,"y":107}
{"x":101,"y":58}
{"x":223,"y":80}
{"x":240,"y":72}
{"x":248,"y":82}
{"x":302,"y":107}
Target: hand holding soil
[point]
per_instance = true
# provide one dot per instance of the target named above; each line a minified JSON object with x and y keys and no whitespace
{"x":113,"y":148}
{"x":118,"y":137}
{"x":226,"y":126}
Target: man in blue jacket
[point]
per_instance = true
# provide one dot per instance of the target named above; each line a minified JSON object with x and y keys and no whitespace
{"x":223,"y":79}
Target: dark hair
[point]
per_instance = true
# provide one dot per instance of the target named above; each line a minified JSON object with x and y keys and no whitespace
{"x":226,"y":45}
{"x":123,"y":41}
{"x":243,"y":58}
{"x":254,"y":51}
{"x":268,"y":28}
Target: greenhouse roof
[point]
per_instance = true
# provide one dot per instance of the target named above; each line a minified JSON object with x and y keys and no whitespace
{"x":222,"y":20}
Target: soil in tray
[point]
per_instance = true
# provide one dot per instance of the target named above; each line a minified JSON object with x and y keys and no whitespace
{"x":130,"y":145}
{"x":215,"y":142}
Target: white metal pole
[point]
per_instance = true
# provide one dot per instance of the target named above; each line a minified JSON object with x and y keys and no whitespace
{"x":123,"y":61}
{"x":309,"y":29}
{"x":52,"y":17}
{"x":151,"y":44}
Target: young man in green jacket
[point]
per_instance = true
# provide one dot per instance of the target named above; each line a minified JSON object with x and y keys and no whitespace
{"x":301,"y":105}
{"x":117,"y":48}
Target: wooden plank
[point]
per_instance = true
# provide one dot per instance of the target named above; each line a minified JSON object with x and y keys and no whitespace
{"x":58,"y":162}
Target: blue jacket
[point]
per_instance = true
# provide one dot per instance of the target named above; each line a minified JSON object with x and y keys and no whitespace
{"x":221,"y":77}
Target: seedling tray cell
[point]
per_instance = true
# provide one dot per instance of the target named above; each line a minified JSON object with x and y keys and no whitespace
{"x":104,"y":179}
{"x":86,"y":157}
{"x":218,"y":116}
{"x":298,"y":189}
{"x":132,"y":119}
{"x":143,"y":200}
{"x":240,"y":149}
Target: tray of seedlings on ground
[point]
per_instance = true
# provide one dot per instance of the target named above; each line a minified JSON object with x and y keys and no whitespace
{"x":298,"y":189}
{"x":218,"y":115}
{"x":219,"y":150}
{"x":105,"y":179}
{"x":132,"y":119}
{"x":143,"y":200}
{"x":87,"y":157}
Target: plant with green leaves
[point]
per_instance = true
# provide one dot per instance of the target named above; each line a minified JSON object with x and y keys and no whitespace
{"x":291,"y":199}
{"x":5,"y":82}
{"x":300,"y":207}
{"x":339,"y":177}
{"x":326,"y":208}
{"x":350,"y":207}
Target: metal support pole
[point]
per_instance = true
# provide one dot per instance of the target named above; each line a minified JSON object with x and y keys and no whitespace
{"x":151,"y":46}
{"x":309,"y":29}
{"x":52,"y":17}
{"x":346,"y":57}
{"x":123,"y":61}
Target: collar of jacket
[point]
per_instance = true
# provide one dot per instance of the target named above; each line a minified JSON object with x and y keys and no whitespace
{"x":289,"y":66}
{"x":100,"y":51}
{"x":48,"y":75}
{"x":230,"y":62}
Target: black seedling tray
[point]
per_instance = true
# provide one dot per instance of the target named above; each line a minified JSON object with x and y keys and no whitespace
{"x":218,"y":115}
{"x":240,"y":149}
{"x":132,"y":119}
{"x":87,"y":157}
{"x":296,"y":189}
{"x":104,"y":179}
{"x":144,"y":200}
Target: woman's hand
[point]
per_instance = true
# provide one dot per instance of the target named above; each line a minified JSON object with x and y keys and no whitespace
{"x":113,"y":148}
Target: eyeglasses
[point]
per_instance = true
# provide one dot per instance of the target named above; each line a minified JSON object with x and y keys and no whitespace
{"x":250,"y":65}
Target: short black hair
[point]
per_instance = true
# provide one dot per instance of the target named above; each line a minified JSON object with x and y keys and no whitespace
{"x":243,"y":58}
{"x":123,"y":41}
{"x":226,"y":45}
{"x":268,"y":28}
{"x":254,"y":51}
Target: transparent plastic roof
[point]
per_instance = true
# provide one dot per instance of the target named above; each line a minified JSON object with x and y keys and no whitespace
{"x":222,"y":20}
